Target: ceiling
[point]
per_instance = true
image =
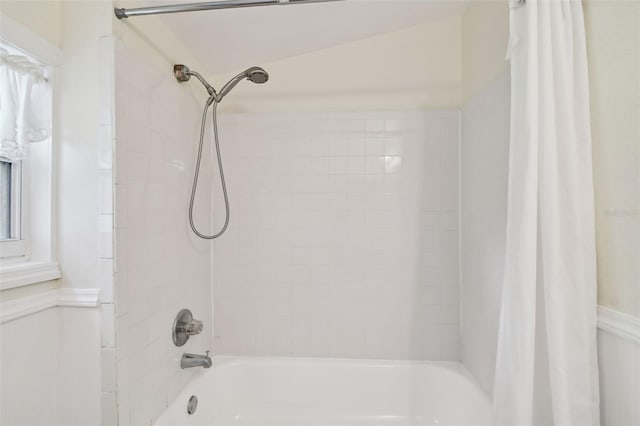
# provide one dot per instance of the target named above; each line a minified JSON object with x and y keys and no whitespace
{"x":226,"y":40}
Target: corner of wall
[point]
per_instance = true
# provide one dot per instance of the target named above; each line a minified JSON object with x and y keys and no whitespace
{"x":485,"y":37}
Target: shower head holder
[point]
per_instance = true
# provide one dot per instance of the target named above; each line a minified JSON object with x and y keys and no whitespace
{"x":181,"y":73}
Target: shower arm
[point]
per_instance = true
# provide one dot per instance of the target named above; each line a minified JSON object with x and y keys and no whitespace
{"x":122,"y":13}
{"x":210,"y":89}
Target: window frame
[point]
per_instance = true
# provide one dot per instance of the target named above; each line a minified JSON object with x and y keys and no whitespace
{"x":32,"y":258}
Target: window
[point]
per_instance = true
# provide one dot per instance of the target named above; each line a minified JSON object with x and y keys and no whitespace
{"x":26,"y":137}
{"x":25,"y":118}
{"x":10,"y":205}
{"x":6,"y":196}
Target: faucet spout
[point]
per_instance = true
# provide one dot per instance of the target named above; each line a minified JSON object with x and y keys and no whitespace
{"x":194,"y":360}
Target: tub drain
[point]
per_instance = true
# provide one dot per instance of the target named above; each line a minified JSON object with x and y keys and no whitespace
{"x":192,"y":405}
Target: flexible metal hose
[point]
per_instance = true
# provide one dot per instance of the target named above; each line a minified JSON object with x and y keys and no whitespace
{"x":197,"y":171}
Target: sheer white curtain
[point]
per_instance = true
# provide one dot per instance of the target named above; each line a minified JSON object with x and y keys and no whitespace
{"x":24,"y":105}
{"x":550,"y":227}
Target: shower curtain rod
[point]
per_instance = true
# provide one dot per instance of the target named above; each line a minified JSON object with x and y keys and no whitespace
{"x":122,"y":13}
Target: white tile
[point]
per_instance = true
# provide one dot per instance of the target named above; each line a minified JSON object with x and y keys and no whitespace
{"x":338,"y":147}
{"x":450,"y":295}
{"x":337,"y":165}
{"x":351,"y":228}
{"x":105,"y":201}
{"x":393,"y":146}
{"x":106,"y":144}
{"x":450,"y":314}
{"x":105,"y":280}
{"x":450,"y":333}
{"x":450,"y":351}
{"x":432,"y":295}
{"x":107,"y":325}
{"x":392,"y":164}
{"x":108,"y":369}
{"x":155,"y":249}
{"x":450,"y":219}
{"x":105,"y":234}
{"x":375,"y":147}
{"x":356,"y":147}
{"x":375,"y":126}
{"x":431,"y":258}
{"x":375,"y":165}
{"x":357,"y":165}
{"x":393,"y":125}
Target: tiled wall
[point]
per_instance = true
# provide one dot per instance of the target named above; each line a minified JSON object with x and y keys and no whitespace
{"x":160,"y":266}
{"x":343,"y":238}
{"x":484,"y":150}
{"x":104,"y":278}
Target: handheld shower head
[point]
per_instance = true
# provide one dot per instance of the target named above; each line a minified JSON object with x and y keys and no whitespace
{"x":257,"y":75}
{"x":182,"y":73}
{"x":254,"y":74}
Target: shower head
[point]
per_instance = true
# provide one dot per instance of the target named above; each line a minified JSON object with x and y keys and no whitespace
{"x":254,"y":74}
{"x":257,"y":75}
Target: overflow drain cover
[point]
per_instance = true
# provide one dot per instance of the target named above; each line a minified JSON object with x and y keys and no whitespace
{"x":192,"y":405}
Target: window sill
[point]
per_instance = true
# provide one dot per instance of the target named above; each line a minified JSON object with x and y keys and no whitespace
{"x":25,"y":273}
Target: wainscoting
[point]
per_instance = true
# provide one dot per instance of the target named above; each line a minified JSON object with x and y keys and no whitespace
{"x":619,"y":359}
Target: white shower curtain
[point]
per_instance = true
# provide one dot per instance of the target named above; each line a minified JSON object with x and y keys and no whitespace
{"x":550,"y":226}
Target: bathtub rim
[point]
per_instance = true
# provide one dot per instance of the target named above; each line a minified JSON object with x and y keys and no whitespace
{"x":451,"y":367}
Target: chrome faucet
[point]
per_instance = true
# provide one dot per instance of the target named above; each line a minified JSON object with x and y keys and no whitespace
{"x":193,"y":360}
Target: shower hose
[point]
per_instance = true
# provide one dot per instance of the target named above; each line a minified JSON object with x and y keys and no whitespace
{"x":194,"y":186}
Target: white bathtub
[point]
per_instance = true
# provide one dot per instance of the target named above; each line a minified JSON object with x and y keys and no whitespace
{"x":274,"y":391}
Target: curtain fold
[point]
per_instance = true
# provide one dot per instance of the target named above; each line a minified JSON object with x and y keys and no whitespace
{"x":25,"y":106}
{"x":550,"y":225}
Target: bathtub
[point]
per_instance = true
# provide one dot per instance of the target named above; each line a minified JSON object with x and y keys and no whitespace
{"x":327,"y":392}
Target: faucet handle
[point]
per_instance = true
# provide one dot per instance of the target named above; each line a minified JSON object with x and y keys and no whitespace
{"x":185,"y":326}
{"x":194,"y":327}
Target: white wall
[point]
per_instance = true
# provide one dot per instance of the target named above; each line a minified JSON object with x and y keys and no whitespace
{"x":613,"y":42}
{"x":343,"y":236}
{"x":77,"y":146}
{"x":161,"y":267}
{"x":70,"y":350}
{"x":78,"y":160}
{"x":414,"y":68}
{"x":50,"y":364}
{"x":485,"y":35}
{"x":42,"y":17}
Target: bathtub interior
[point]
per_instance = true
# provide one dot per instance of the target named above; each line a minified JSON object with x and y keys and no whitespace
{"x":297,"y":391}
